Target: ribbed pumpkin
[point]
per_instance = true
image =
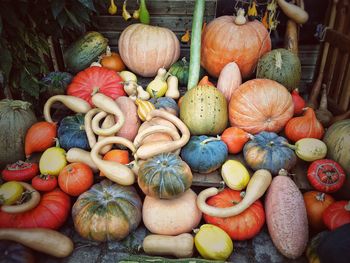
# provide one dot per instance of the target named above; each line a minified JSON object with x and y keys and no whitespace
{"x":204,"y":110}
{"x":204,"y":154}
{"x":229,"y":80}
{"x":96,"y":79}
{"x":224,"y":41}
{"x":16,"y":118}
{"x":107,"y":211}
{"x":144,"y":49}
{"x":181,"y":69}
{"x":71,"y":133}
{"x":268,"y":151}
{"x":261,"y":105}
{"x":282,"y":66}
{"x":164,"y":176}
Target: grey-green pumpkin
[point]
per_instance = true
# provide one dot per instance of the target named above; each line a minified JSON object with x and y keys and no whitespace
{"x":282,"y":66}
{"x":181,"y":69}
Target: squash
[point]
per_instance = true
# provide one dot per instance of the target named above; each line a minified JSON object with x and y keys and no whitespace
{"x":204,"y":154}
{"x":173,"y":88}
{"x":10,"y":193}
{"x":244,"y":226}
{"x":294,"y":12}
{"x":16,"y":118}
{"x":269,"y":151}
{"x":20,"y":171}
{"x":107,"y":212}
{"x":180,"y":69}
{"x":180,"y":246}
{"x":53,"y":160}
{"x":76,"y":155}
{"x":235,"y":139}
{"x":132,"y":121}
{"x":143,"y":108}
{"x":298,"y":101}
{"x":167,"y":104}
{"x":245,"y":42}
{"x":112,"y":60}
{"x":247,"y":111}
{"x":96,"y":80}
{"x":85,"y":50}
{"x":204,"y":111}
{"x":337,"y":214}
{"x":171,"y":217}
{"x":286,"y":217}
{"x":15,"y":253}
{"x":56,"y":82}
{"x":116,"y":155}
{"x":143,"y":53}
{"x":326,"y":175}
{"x":235,"y":175}
{"x":229,"y":80}
{"x":156,"y":136}
{"x":282,"y":66}
{"x":71,"y":133}
{"x":309,"y":149}
{"x":164,"y":176}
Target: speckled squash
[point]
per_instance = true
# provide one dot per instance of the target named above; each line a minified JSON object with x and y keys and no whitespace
{"x":204,"y":154}
{"x":107,"y":211}
{"x":204,"y":110}
{"x":164,"y":176}
{"x":268,"y":151}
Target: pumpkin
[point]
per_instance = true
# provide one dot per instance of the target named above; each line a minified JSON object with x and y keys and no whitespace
{"x":204,"y":111}
{"x":107,"y":211}
{"x":337,"y":139}
{"x":235,"y":139}
{"x":286,"y":217}
{"x":16,"y":118}
{"x":116,"y":155}
{"x":315,"y":204}
{"x":337,"y":214}
{"x":181,"y":69}
{"x":144,"y":48}
{"x":164,"y":176}
{"x":75,"y":178}
{"x":282,"y":66}
{"x":244,"y":43}
{"x":167,"y":104}
{"x":51,"y":212}
{"x":298,"y":101}
{"x":15,"y":253}
{"x":71,"y":133}
{"x":269,"y":151}
{"x":96,"y":79}
{"x":229,"y":80}
{"x":113,"y":61}
{"x":159,"y":136}
{"x":306,"y":126}
{"x":326,"y":175}
{"x":260,"y":105}
{"x":171,"y":217}
{"x":56,"y":82}
{"x":204,"y":154}
{"x":240,"y":227}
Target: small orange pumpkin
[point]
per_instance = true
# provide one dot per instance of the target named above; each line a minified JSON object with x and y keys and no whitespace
{"x":112,"y":60}
{"x":116,"y":155}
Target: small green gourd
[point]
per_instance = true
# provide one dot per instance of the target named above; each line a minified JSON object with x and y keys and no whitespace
{"x":144,"y":14}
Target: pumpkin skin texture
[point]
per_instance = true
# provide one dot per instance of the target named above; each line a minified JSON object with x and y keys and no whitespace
{"x":229,"y":80}
{"x":282,"y":66}
{"x":107,"y":211}
{"x":142,"y":51}
{"x":181,"y":69}
{"x":235,"y":139}
{"x":16,"y":118}
{"x":268,"y":151}
{"x":337,"y":214}
{"x":261,"y":105}
{"x":171,"y":217}
{"x":164,"y":176}
{"x":71,"y":133}
{"x":286,"y":217}
{"x":204,"y":154}
{"x":243,"y":44}
{"x":204,"y":111}
{"x":240,"y":227}
{"x":96,"y":79}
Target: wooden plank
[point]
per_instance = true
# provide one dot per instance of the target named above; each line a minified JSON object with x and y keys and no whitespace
{"x":338,"y":76}
{"x":344,"y":102}
{"x":338,"y":40}
{"x":328,"y":72}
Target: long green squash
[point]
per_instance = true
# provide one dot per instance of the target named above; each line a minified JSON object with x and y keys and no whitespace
{"x":195,"y":56}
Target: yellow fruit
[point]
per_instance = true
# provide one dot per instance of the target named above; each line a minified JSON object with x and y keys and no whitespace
{"x":10,"y":192}
{"x":213,"y":243}
{"x":235,"y":175}
{"x":157,"y":87}
{"x":143,"y":108}
{"x":128,"y":76}
{"x":52,"y":161}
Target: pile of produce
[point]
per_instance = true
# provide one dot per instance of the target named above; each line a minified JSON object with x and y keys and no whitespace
{"x":128,"y":154}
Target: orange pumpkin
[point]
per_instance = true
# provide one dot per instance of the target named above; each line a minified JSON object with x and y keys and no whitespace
{"x":113,"y":61}
{"x":225,"y":40}
{"x":261,"y":105}
{"x":119,"y":156}
{"x":205,"y":82}
{"x":235,"y":139}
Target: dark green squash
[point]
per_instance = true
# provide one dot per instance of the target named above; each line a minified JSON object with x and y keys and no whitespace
{"x":181,"y":69}
{"x":282,"y":66}
{"x":204,"y":154}
{"x":16,"y":117}
{"x":269,"y":151}
{"x":71,"y":133}
{"x":164,"y":176}
{"x":56,"y":82}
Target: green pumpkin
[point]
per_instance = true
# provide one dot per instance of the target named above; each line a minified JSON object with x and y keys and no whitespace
{"x":164,"y":176}
{"x":282,"y":66}
{"x":269,"y":151}
{"x":16,"y":118}
{"x":107,"y":211}
{"x":181,"y":69}
{"x":204,"y":110}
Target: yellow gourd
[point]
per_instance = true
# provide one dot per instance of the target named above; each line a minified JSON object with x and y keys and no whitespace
{"x":143,"y":108}
{"x":235,"y":175}
{"x":128,"y":76}
{"x":186,"y":37}
{"x":158,"y":87}
{"x":252,"y":10}
{"x":112,"y":10}
{"x":125,"y":14}
{"x":136,"y":14}
{"x":52,"y":161}
{"x":173,"y":88}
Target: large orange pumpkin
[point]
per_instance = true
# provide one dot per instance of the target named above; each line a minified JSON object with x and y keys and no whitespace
{"x":224,"y":41}
{"x":261,"y":105}
{"x":144,"y":49}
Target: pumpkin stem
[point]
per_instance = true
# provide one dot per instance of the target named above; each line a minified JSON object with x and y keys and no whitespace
{"x":283,"y":172}
{"x":184,"y":60}
{"x":108,"y":51}
{"x":211,"y":139}
{"x":320,"y":197}
{"x":195,"y":231}
{"x":222,"y":186}
{"x":94,"y":91}
{"x":240,"y":18}
{"x":57,"y":143}
{"x":347,"y":207}
{"x":250,"y":136}
{"x":278,"y":60}
{"x":82,"y":127}
{"x":242,"y":194}
{"x":19,"y":104}
{"x":291,"y":146}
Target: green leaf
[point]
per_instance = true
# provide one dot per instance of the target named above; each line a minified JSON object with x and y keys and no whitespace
{"x":89,"y":4}
{"x":57,"y":7}
{"x":72,"y":18}
{"x":5,"y":62}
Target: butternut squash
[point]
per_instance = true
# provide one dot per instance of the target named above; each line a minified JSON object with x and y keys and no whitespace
{"x":294,"y":12}
{"x":77,"y":155}
{"x":108,"y":122}
{"x":173,"y":88}
{"x":87,"y":124}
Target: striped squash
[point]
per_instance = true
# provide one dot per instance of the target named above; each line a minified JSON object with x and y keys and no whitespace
{"x":143,"y":108}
